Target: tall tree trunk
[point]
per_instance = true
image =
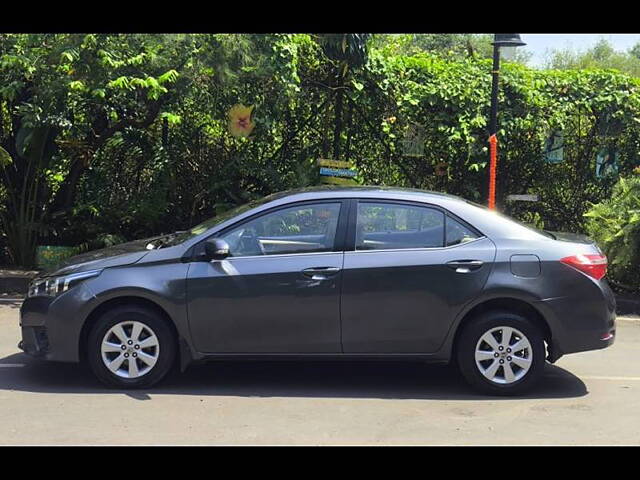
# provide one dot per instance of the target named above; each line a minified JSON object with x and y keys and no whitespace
{"x":349,"y":132}
{"x":165,"y":132}
{"x":325,"y":132}
{"x":337,"y":130}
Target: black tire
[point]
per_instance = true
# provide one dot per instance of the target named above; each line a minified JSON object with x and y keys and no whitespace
{"x":469,"y":338}
{"x":166,"y":353}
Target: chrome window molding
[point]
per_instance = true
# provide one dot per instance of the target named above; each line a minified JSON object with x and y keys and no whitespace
{"x":419,"y":249}
{"x":280,"y":255}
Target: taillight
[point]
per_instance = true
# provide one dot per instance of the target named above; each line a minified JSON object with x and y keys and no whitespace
{"x":593,"y":265}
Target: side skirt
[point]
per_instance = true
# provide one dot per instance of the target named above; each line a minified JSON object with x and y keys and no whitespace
{"x":428,"y":358}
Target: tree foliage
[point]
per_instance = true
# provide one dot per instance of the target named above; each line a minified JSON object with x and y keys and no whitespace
{"x":453,"y":46}
{"x":127,"y":135}
{"x":601,"y":55}
{"x":615,"y":225}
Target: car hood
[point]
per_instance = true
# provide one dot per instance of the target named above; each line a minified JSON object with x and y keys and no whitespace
{"x":115,"y":256}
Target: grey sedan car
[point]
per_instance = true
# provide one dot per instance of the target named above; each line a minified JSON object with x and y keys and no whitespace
{"x":347,"y":273}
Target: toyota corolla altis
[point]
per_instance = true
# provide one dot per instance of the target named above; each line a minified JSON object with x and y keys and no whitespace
{"x":348,"y":273}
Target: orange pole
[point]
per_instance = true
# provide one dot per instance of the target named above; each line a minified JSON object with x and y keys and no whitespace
{"x":493,"y":164}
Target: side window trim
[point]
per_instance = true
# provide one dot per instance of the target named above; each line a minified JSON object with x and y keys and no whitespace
{"x":419,"y":249}
{"x":338,"y":241}
{"x":350,"y":241}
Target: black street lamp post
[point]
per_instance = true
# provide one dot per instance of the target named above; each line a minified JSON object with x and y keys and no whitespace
{"x":499,"y":40}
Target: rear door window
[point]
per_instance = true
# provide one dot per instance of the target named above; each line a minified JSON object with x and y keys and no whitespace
{"x":458,"y":232}
{"x":397,"y":226}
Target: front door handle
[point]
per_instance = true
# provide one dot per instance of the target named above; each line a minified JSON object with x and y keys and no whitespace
{"x":465,"y":266}
{"x":320,"y":273}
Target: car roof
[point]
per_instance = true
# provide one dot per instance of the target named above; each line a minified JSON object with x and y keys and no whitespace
{"x":339,"y":191}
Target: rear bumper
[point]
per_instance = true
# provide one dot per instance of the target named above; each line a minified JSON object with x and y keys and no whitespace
{"x":580,"y":324}
{"x":582,"y":341}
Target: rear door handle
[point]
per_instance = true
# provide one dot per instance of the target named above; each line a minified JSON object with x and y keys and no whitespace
{"x":320,"y":273}
{"x":465,"y":266}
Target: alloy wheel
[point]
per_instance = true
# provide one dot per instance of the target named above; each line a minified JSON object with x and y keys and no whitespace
{"x":130,"y":349}
{"x":503,"y":355}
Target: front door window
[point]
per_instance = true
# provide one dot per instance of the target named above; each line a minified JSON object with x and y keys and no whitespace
{"x":300,"y":229}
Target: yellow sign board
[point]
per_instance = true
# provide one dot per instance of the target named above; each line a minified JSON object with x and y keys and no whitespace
{"x":337,"y":180}
{"x":323,"y":162}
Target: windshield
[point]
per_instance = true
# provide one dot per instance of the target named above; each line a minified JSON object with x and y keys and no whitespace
{"x":179,"y":237}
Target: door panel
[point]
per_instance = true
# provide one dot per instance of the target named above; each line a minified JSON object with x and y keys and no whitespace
{"x":265,"y":304}
{"x":279,"y":291}
{"x":404,"y":301}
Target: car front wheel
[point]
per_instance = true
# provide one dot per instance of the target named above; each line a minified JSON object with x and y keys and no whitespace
{"x":501,"y":353}
{"x":131,"y":347}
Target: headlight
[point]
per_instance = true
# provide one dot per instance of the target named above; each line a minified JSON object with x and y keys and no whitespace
{"x":54,"y":286}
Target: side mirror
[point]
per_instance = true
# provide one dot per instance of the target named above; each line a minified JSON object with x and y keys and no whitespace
{"x":216,"y":249}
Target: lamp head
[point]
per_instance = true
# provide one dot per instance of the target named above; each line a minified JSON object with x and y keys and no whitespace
{"x":507,"y":40}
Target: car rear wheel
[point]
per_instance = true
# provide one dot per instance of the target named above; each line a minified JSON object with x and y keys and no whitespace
{"x":131,"y":347}
{"x":501,"y":353}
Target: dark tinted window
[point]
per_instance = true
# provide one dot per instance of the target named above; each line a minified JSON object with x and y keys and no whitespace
{"x":392,"y":226}
{"x":458,"y":233}
{"x":299,"y":229}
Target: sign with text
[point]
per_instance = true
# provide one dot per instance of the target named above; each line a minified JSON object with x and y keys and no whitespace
{"x":337,"y":172}
{"x":522,"y":198}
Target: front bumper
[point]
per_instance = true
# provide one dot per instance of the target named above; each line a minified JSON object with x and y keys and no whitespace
{"x":51,"y":327}
{"x":35,"y":341}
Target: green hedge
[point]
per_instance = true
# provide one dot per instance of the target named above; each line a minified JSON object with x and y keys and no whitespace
{"x":48,"y":257}
{"x":141,"y":122}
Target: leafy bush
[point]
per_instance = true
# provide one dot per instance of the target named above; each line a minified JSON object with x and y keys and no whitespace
{"x":128,"y":134}
{"x":615,"y":225}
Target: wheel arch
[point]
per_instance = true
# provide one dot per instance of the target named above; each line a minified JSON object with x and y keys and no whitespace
{"x":107,"y":305}
{"x":505,"y":303}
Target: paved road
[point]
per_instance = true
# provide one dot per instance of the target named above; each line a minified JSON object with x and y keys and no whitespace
{"x":587,"y":398}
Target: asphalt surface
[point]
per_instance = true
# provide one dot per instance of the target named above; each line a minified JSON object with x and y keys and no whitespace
{"x":586,"y":398}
